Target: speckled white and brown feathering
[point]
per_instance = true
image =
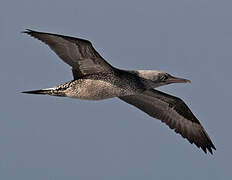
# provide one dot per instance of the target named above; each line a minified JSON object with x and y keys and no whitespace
{"x":96,"y":79}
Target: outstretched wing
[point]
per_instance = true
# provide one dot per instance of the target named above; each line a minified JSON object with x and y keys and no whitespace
{"x":175,"y":113}
{"x":78,"y":53}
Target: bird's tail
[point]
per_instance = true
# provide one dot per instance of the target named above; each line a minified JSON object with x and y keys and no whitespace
{"x":48,"y":91}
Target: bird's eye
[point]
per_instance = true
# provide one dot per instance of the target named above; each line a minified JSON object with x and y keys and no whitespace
{"x":164,"y":77}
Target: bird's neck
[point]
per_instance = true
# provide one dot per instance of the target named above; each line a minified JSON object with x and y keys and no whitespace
{"x":150,"y":78}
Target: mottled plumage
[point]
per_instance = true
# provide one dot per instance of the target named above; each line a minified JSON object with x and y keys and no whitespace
{"x":96,"y":79}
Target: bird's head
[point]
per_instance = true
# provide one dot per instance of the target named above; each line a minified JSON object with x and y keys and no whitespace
{"x":159,"y":78}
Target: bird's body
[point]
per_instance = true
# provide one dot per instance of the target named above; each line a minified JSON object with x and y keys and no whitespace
{"x":98,"y":86}
{"x":96,"y":79}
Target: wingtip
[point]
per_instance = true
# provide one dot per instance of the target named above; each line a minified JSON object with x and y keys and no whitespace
{"x":27,"y":31}
{"x":209,"y":149}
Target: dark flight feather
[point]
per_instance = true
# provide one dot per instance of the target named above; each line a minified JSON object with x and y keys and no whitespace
{"x":175,"y":113}
{"x":78,"y":53}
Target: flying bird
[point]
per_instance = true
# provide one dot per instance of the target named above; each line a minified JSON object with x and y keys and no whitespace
{"x":95,"y":79}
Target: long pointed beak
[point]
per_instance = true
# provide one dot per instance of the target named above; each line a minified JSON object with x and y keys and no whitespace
{"x":177,"y":80}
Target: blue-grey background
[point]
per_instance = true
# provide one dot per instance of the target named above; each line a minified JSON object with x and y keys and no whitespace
{"x":53,"y":138}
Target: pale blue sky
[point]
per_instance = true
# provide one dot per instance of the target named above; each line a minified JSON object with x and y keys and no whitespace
{"x":52,"y":138}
